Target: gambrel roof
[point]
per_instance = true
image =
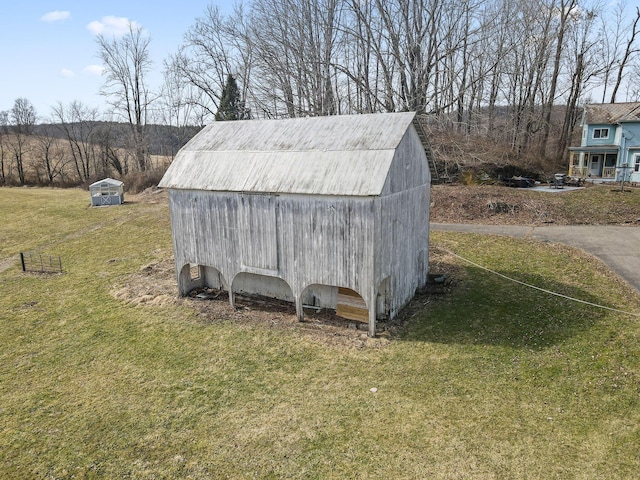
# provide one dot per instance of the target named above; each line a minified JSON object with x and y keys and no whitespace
{"x":611,"y":113}
{"x":335,"y":155}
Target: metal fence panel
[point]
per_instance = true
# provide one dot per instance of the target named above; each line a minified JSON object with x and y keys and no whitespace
{"x":36,"y":262}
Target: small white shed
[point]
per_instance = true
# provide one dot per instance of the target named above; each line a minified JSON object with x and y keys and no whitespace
{"x":331,"y":212}
{"x":107,"y":192}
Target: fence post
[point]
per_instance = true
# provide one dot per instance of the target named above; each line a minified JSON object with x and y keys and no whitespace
{"x":22,"y":262}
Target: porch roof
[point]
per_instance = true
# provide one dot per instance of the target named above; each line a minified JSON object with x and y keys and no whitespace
{"x":596,"y":149}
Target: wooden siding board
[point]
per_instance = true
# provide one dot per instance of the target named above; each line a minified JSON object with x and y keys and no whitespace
{"x":409,"y":167}
{"x":312,"y":246}
{"x":351,"y":306}
{"x":344,"y":248}
{"x":346,"y":296}
{"x":405,"y":233}
{"x":350,"y":312}
{"x":326,"y":240}
{"x":258,"y":242}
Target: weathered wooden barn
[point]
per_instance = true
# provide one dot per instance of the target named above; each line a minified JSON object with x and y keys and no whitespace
{"x":328,"y":212}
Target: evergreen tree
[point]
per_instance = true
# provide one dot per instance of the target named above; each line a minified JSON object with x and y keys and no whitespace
{"x":231,"y":106}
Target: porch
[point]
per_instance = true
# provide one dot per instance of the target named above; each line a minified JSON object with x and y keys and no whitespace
{"x":593,"y":162}
{"x":583,"y":172}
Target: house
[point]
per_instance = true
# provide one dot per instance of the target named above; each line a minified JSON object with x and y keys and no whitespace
{"x":610,"y":146}
{"x":330,"y":212}
{"x":106,"y":192}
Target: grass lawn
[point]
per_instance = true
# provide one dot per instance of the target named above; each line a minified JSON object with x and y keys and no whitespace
{"x":493,"y":380}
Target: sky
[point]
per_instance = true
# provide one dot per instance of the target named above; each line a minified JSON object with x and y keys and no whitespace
{"x":48,"y":49}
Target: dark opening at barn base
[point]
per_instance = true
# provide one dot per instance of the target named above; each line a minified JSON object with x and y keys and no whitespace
{"x":248,"y":302}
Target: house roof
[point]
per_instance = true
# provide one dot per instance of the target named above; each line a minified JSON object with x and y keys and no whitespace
{"x":335,"y":155}
{"x":109,"y":181}
{"x":611,"y":113}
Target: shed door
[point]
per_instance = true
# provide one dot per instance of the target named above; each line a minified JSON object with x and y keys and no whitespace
{"x":259,"y":233}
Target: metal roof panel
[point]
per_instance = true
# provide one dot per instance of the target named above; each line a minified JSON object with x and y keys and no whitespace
{"x":337,"y":155}
{"x":320,"y":173}
{"x":110,"y":181}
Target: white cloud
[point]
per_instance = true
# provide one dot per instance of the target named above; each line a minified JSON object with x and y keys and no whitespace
{"x":111,"y":25}
{"x":94,"y":69}
{"x":65,"y":72}
{"x":55,"y":16}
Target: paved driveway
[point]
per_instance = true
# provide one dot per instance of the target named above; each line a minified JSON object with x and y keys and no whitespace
{"x":618,"y":247}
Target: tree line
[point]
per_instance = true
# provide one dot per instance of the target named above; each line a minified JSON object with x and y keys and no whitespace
{"x":513,"y":71}
{"x":496,"y":68}
{"x":76,"y":145}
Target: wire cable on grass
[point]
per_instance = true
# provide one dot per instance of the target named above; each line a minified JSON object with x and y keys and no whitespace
{"x":538,"y":288}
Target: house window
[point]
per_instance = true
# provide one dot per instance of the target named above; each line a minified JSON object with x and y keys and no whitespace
{"x":600,"y":133}
{"x":636,"y":165}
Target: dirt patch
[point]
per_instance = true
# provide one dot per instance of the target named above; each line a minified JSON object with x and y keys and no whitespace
{"x":322,"y":325}
{"x":492,"y":205}
{"x":500,"y":205}
{"x":155,"y":284}
{"x":6,"y":263}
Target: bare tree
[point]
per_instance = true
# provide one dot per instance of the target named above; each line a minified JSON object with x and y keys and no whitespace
{"x":630,"y":49}
{"x":127,"y":63}
{"x":279,"y":49}
{"x":360,"y":63}
{"x":4,"y":130}
{"x":178,"y":107}
{"x":51,"y":158}
{"x":181,"y":103}
{"x":611,"y":34}
{"x":565,"y":9}
{"x":214,"y":47}
{"x":318,"y":57}
{"x":109,"y":157}
{"x":498,"y":26}
{"x":582,"y":66}
{"x":77,"y":122}
{"x":23,"y":118}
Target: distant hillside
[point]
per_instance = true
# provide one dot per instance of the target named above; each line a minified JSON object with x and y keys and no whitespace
{"x":163,"y":139}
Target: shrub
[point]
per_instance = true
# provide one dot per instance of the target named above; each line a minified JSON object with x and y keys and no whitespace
{"x":136,"y":182}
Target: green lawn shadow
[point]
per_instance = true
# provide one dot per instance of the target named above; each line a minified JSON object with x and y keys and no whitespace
{"x":486,"y":309}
